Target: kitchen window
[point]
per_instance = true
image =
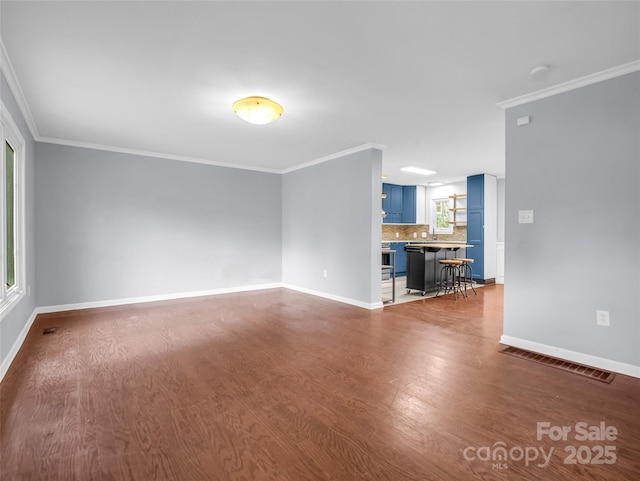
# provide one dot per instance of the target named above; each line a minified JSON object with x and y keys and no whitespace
{"x":441,"y":218}
{"x":12,"y":251}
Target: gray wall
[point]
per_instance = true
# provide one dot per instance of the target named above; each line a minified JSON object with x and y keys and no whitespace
{"x":13,"y":323}
{"x":115,"y":226}
{"x":500,"y":206}
{"x":331,"y":221}
{"x":577,"y":165}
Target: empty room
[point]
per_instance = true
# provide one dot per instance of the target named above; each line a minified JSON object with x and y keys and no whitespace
{"x":319,"y":240}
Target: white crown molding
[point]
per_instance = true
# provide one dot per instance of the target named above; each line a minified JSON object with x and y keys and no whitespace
{"x":579,"y":357}
{"x":144,"y":153}
{"x":182,"y":158}
{"x":337,"y":155}
{"x":572,"y":84}
{"x":9,"y":73}
{"x":14,"y":85}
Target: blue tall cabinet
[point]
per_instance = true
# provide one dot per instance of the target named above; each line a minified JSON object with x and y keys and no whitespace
{"x":482,"y":226}
{"x":475,"y":223}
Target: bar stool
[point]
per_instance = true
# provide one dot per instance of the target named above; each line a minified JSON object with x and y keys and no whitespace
{"x":450,"y":277}
{"x":466,"y":278}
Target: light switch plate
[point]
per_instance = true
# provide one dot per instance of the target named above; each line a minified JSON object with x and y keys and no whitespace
{"x":523,"y":121}
{"x":525,"y":217}
{"x":602,"y":318}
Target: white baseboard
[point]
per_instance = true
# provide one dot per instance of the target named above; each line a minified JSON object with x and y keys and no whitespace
{"x":500,"y":262}
{"x":13,"y":352}
{"x":4,"y":367}
{"x":162,"y":297}
{"x":581,"y":358}
{"x":345,"y":300}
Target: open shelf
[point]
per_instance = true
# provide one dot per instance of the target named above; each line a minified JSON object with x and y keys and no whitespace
{"x":457,"y":208}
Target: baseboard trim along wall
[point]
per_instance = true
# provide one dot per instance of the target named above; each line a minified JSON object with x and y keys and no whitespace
{"x":345,"y":300}
{"x":587,"y":359}
{"x":4,"y":367}
{"x":500,"y":260}
{"x":162,"y":297}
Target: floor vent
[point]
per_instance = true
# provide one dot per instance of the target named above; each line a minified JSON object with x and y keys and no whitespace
{"x":48,"y":330}
{"x":586,"y":371}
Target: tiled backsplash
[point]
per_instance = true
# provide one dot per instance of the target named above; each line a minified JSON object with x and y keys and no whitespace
{"x":406,"y":233}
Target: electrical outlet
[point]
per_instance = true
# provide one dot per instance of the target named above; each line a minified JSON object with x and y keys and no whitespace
{"x":602,"y":318}
{"x":424,"y":235}
{"x":324,"y":273}
{"x":397,"y":235}
{"x":525,"y":217}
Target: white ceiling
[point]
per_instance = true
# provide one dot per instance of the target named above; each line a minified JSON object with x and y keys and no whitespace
{"x":421,"y":78}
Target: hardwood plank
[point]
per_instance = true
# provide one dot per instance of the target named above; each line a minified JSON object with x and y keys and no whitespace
{"x":279,"y":385}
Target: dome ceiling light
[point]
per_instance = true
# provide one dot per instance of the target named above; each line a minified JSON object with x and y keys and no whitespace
{"x":257,"y":110}
{"x":538,"y":71}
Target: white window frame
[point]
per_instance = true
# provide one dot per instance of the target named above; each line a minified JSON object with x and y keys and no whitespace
{"x":10,"y":133}
{"x":434,"y":217}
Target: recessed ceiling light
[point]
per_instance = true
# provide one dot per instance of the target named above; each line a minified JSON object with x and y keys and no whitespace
{"x":435,"y":184}
{"x":418,"y":170}
{"x":257,"y":110}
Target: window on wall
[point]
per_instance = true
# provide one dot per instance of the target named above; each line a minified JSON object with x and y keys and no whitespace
{"x":441,"y":217}
{"x":10,"y":244}
{"x":12,"y":285}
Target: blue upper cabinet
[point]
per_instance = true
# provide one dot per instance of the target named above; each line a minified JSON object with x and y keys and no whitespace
{"x":386,"y":202}
{"x":409,"y":204}
{"x":400,"y":204}
{"x":475,"y":192}
{"x":396,"y":203}
{"x":392,"y":204}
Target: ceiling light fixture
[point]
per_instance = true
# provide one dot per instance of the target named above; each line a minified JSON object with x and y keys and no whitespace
{"x":418,"y":170}
{"x":538,"y":71}
{"x":435,"y":184}
{"x":257,"y":110}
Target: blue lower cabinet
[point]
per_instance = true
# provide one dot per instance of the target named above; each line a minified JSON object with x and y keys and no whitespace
{"x":401,"y":258}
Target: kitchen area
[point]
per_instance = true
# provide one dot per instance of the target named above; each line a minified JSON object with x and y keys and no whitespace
{"x":424,"y":224}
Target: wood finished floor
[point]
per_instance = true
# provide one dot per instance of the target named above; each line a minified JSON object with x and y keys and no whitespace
{"x":279,"y":385}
